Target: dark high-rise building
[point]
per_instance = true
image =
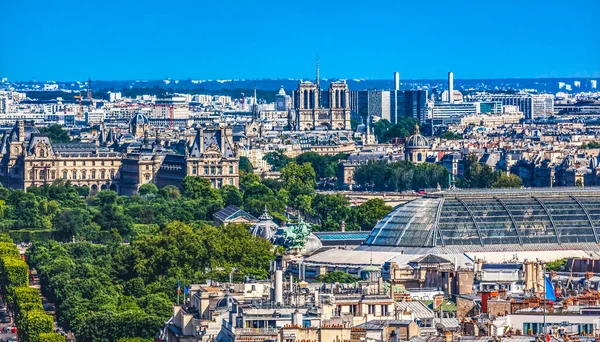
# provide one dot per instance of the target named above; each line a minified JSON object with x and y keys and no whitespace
{"x":392,"y":104}
{"x":410,"y":103}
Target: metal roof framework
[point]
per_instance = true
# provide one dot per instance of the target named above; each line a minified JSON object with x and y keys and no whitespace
{"x":493,"y":217}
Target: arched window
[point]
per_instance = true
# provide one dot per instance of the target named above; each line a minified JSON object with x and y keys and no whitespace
{"x":64,"y":174}
{"x":83,"y":174}
{"x":43,"y":174}
{"x":42,"y":153}
{"x":419,"y":157}
{"x":102,"y":174}
{"x":112,"y":174}
{"x":52,"y":174}
{"x":93,"y":174}
{"x":74,"y":174}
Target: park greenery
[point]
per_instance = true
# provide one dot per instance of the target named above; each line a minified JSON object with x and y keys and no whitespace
{"x":400,"y":176}
{"x":112,"y":263}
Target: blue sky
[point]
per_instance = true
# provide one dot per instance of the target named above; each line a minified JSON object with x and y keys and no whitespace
{"x":226,"y":39}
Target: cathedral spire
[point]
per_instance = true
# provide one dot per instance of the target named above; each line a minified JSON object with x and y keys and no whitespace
{"x":317,"y":79}
{"x":255,"y":106}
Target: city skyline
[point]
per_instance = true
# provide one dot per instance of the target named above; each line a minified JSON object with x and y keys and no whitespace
{"x":275,"y":40}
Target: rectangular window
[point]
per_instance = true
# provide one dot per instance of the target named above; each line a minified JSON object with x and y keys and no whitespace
{"x":231,"y":169}
{"x":230,"y":181}
{"x":219,"y":170}
{"x":206,"y":170}
{"x":371,"y":309}
{"x":194,"y":170}
{"x":212,"y":170}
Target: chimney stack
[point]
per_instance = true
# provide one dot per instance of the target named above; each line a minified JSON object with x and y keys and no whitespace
{"x":278,"y":287}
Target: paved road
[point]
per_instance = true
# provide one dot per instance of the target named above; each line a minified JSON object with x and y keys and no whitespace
{"x":3,"y":316}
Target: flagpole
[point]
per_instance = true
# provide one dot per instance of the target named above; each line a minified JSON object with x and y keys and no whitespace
{"x":545,"y":295}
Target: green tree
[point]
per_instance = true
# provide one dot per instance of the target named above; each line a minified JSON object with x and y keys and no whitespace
{"x":148,"y":189}
{"x":591,"y":145}
{"x":369,"y":213}
{"x":336,"y":277}
{"x":32,"y":324}
{"x":556,"y":265}
{"x":476,"y":175}
{"x":170,"y":192}
{"x":331,"y":210}
{"x":52,"y":337}
{"x":276,"y":159}
{"x":298,"y":180}
{"x":507,"y":181}
{"x":231,"y":195}
{"x":449,"y":135}
{"x":69,"y":222}
{"x":245,"y":165}
{"x":56,"y":133}
{"x":200,"y":188}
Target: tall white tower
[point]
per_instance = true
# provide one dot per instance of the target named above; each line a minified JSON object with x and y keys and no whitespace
{"x":451,"y":87}
{"x":396,"y":90}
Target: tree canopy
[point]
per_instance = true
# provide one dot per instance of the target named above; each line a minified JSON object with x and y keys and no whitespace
{"x":399,"y":176}
{"x":56,"y":133}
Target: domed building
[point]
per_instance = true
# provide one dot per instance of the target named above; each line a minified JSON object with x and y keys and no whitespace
{"x":416,"y":147}
{"x":265,"y":227}
{"x":139,"y":125}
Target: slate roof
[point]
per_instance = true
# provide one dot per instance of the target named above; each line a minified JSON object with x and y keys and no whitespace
{"x":431,"y":259}
{"x":230,"y":212}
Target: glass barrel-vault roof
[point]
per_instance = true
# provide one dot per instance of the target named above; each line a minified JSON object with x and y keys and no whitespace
{"x":492,"y":218}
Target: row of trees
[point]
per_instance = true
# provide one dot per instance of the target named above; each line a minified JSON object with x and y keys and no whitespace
{"x":399,"y":176}
{"x":33,"y":324}
{"x":323,"y":166}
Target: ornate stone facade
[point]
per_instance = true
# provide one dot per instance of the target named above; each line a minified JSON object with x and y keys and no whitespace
{"x":29,"y":158}
{"x":315,"y":108}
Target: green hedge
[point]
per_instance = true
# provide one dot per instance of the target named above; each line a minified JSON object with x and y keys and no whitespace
{"x":34,"y":323}
{"x":30,"y":235}
{"x":9,"y":249}
{"x":26,"y":299}
{"x":135,"y":339}
{"x":5,"y":238}
{"x":52,"y":337}
{"x":13,"y":273}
